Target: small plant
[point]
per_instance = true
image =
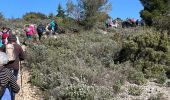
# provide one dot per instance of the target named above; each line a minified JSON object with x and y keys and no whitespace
{"x":117,"y":86}
{"x":161,"y":79}
{"x":136,"y":77}
{"x":135,"y":91}
{"x":168,"y":84}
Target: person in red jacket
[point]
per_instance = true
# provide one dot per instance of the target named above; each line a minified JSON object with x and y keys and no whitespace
{"x":4,"y":33}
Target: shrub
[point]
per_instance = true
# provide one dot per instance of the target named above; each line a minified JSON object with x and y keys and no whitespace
{"x":135,"y":91}
{"x":136,"y":77}
{"x":148,"y":52}
{"x":54,"y":63}
{"x":34,"y":15}
{"x":117,"y":86}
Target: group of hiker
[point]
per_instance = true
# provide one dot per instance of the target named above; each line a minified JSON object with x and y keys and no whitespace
{"x":129,"y":22}
{"x":12,"y":53}
{"x":41,"y":30}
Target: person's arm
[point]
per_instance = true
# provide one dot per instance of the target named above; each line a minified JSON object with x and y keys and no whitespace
{"x":2,"y":48}
{"x":21,"y":54}
{"x":13,"y":83}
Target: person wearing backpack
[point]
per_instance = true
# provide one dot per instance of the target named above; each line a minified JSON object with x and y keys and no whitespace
{"x":4,"y":34}
{"x":8,"y":83}
{"x":54,"y":26}
{"x":40,"y":30}
{"x":1,"y":41}
{"x":15,"y":54}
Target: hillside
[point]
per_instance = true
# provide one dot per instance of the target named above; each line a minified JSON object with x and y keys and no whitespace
{"x":90,"y":66}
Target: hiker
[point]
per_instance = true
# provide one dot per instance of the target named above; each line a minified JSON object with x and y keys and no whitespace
{"x":30,"y":30}
{"x":17,"y":36}
{"x":54,"y":26}
{"x":8,"y":82}
{"x":27,"y":31}
{"x":110,"y":22}
{"x":18,"y":53}
{"x":1,"y":40}
{"x":137,"y":22}
{"x":40,"y":30}
{"x":48,"y":30}
{"x":4,"y":33}
{"x":34,"y":33}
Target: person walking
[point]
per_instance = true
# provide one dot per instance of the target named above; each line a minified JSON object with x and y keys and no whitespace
{"x":8,"y":83}
{"x":40,"y":30}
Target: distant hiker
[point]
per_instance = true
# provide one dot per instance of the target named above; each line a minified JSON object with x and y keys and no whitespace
{"x":28,"y":32}
{"x":8,"y":83}
{"x":1,"y":40}
{"x":48,"y":30}
{"x":17,"y":36}
{"x":142,"y":23}
{"x":110,"y":22}
{"x":106,"y":24}
{"x":4,"y":33}
{"x":137,"y":22}
{"x":40,"y":30}
{"x":54,"y":26}
{"x":14,"y":50}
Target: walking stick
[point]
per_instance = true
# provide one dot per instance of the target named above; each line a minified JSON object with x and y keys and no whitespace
{"x":21,"y":72}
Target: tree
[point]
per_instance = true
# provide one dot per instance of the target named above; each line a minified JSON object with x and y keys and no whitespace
{"x":34,"y":15}
{"x":87,"y":11}
{"x":153,"y":8}
{"x":51,"y":16}
{"x":1,"y":16}
{"x":74,"y":11}
{"x":60,"y":11}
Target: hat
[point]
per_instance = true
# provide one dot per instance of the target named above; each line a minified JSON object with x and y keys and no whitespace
{"x":3,"y":58}
{"x":12,"y":38}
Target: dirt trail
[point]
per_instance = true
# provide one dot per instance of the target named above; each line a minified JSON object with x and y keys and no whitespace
{"x":27,"y":91}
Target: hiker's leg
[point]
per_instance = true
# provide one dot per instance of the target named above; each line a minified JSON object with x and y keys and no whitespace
{"x":40,"y":35}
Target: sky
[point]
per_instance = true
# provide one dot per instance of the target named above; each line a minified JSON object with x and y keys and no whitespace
{"x":17,"y":8}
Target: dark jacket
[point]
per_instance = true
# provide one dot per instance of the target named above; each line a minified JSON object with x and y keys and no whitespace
{"x":19,"y":56}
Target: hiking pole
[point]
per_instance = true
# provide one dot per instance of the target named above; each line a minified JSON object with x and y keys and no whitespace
{"x":21,"y":78}
{"x":21,"y":72}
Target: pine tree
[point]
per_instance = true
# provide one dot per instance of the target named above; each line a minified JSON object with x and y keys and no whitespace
{"x":1,"y":16}
{"x":153,"y":8}
{"x":60,"y":11}
{"x":51,"y":16}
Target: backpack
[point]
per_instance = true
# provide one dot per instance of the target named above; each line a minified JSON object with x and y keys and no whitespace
{"x":27,"y":29}
{"x":4,"y":35}
{"x":10,"y":52}
{"x":40,"y":29}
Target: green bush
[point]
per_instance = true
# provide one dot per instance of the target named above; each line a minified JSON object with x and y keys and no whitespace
{"x":84,"y":56}
{"x":149,"y":53}
{"x":117,"y":86}
{"x":136,"y":77}
{"x":135,"y":91}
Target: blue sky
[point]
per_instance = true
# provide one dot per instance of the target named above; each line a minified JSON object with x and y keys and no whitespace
{"x":16,"y":8}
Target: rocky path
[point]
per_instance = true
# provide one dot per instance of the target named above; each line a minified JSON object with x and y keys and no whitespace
{"x":27,"y":91}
